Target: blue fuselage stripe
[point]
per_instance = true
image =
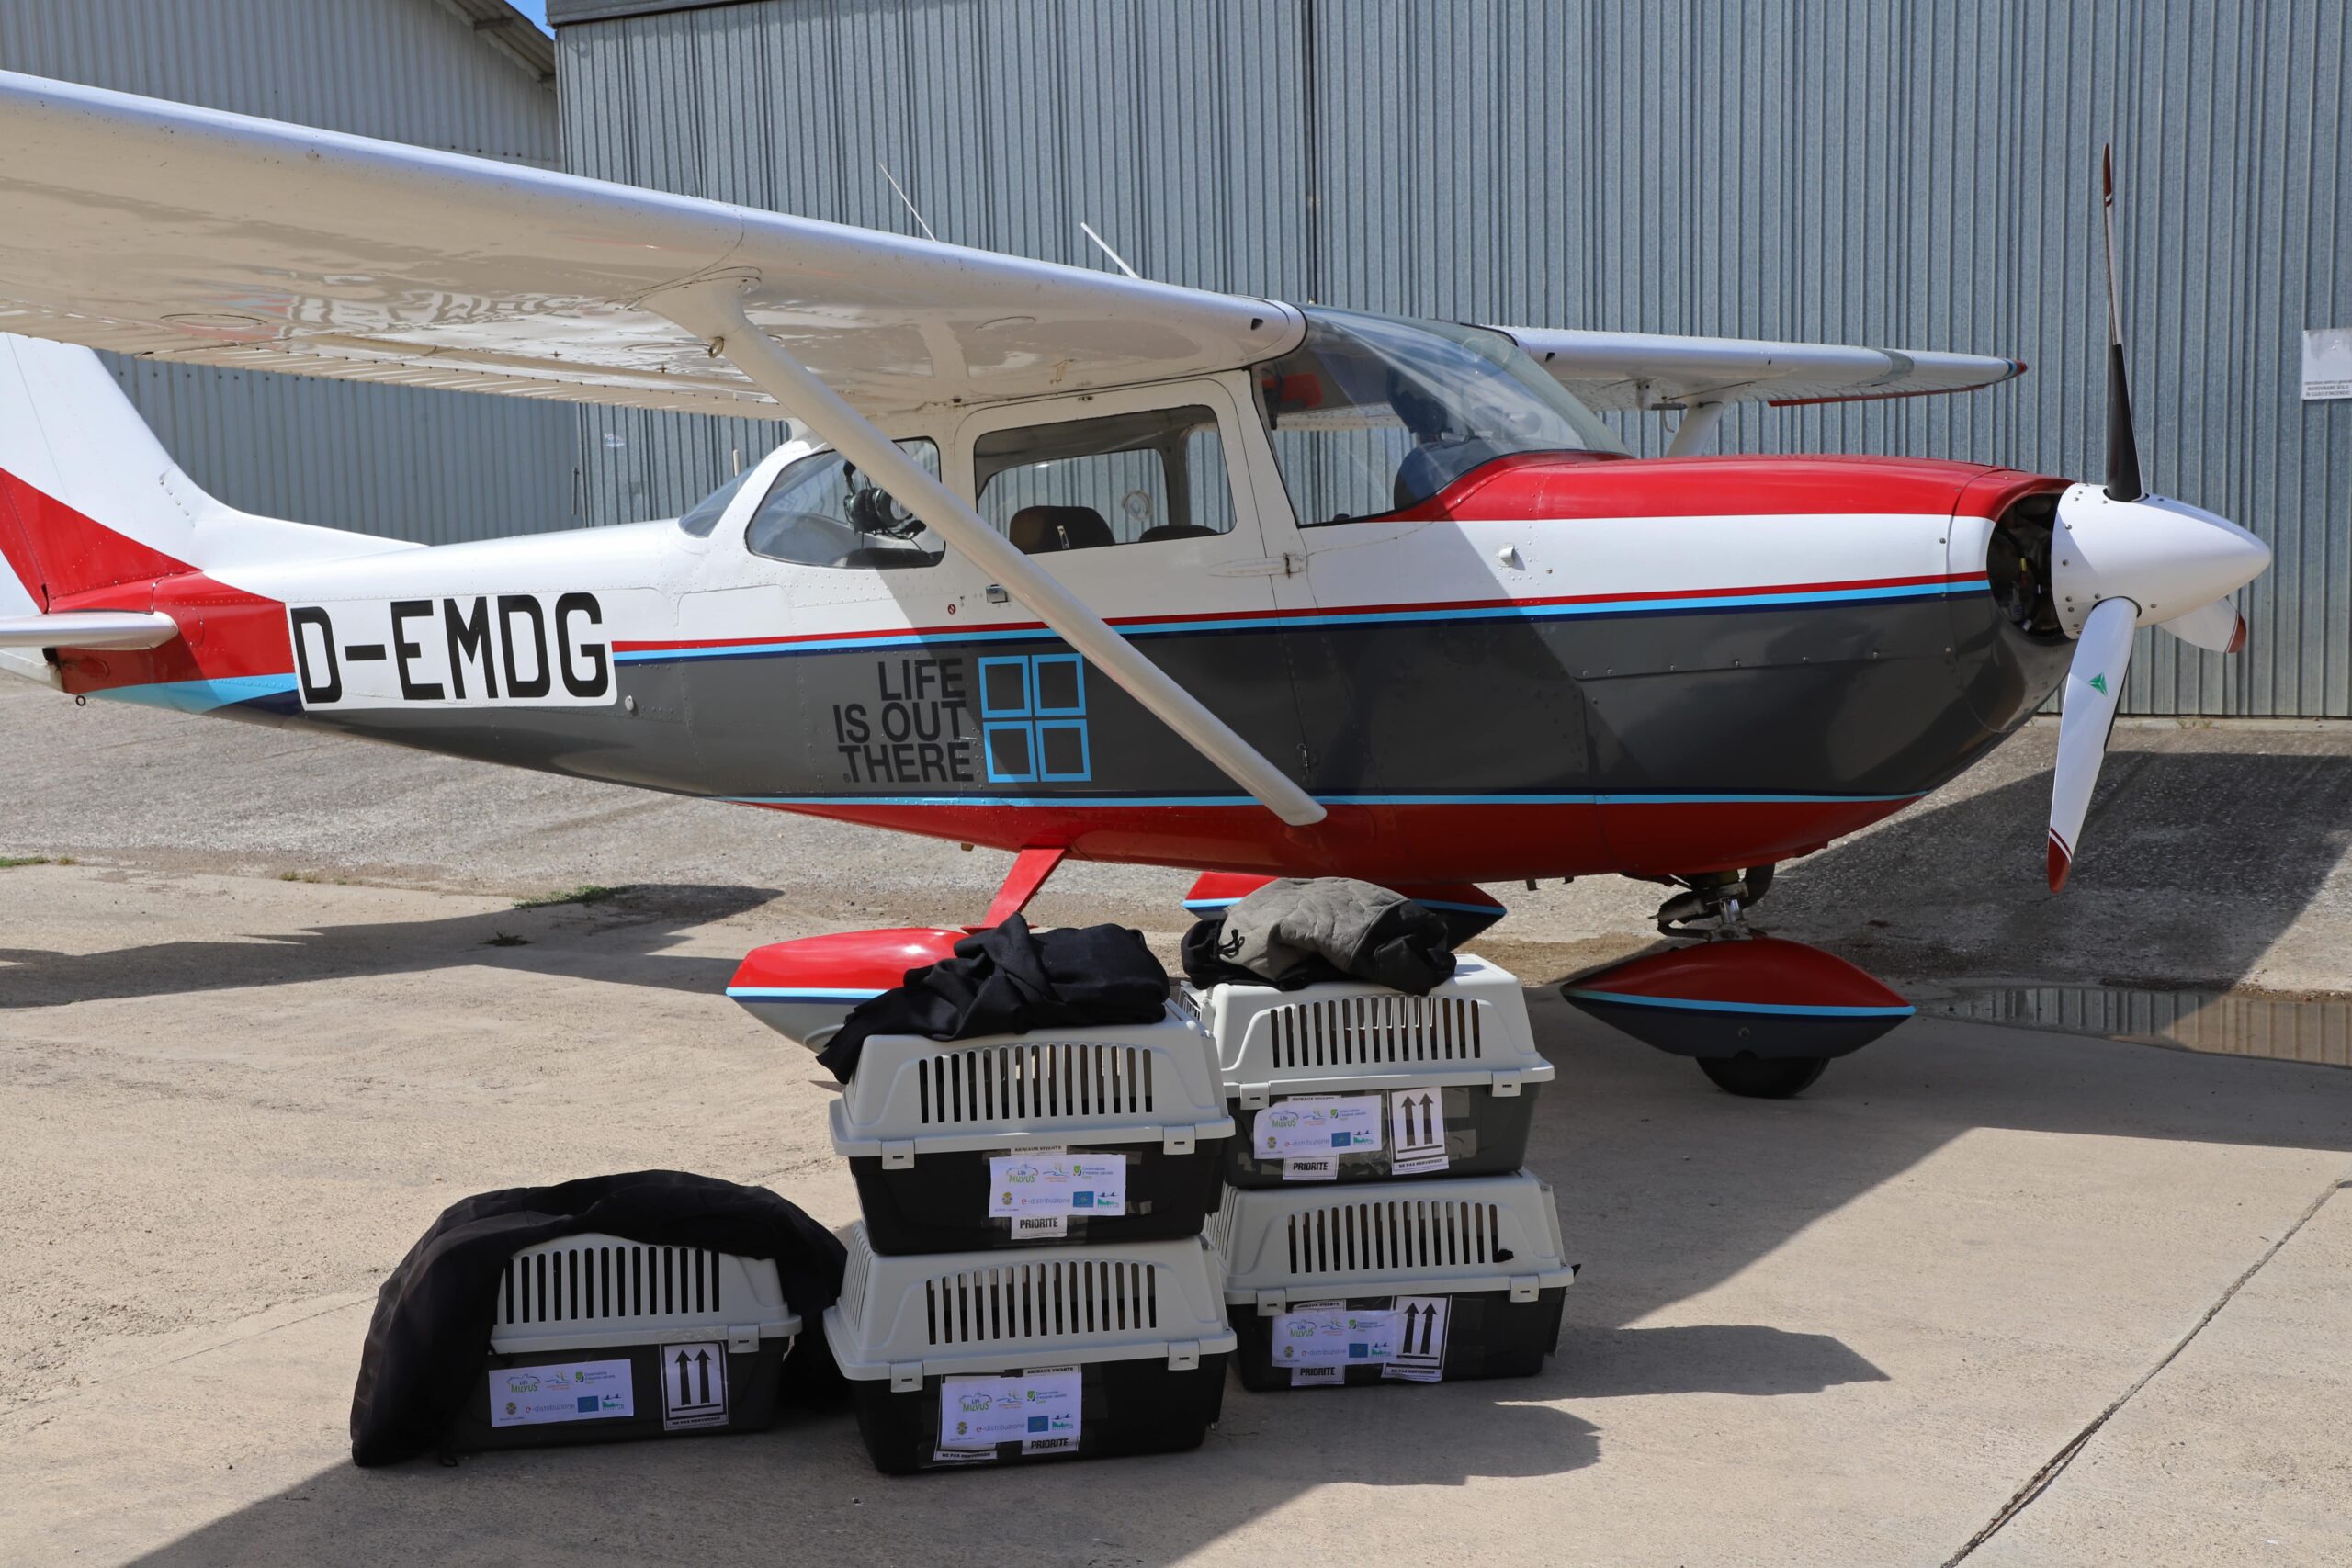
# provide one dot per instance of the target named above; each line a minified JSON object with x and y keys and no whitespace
{"x":1244,"y":800}
{"x":1416,"y":616}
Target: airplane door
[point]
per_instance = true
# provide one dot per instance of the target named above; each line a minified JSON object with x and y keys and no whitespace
{"x":1134,"y":501}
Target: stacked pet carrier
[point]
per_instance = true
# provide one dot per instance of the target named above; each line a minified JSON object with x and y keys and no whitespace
{"x":1377,"y":1224}
{"x":1031,"y":1277}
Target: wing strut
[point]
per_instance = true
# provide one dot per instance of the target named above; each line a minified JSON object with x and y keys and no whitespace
{"x":716,"y":315}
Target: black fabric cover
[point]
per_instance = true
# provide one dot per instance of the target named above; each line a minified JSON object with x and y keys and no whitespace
{"x":431,"y":1331}
{"x":1010,"y":978}
{"x":1304,"y":932}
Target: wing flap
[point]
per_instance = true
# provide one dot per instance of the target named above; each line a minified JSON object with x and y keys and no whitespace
{"x":184,"y":234}
{"x":1647,"y":370}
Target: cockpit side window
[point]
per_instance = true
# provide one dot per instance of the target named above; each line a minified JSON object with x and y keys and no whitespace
{"x":1148,"y":478}
{"x":822,"y":511}
{"x":1370,"y":416}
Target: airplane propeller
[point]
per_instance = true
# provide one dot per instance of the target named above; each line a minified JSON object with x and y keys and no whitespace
{"x":2127,"y":558}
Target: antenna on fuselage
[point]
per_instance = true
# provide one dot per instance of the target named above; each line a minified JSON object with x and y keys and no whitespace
{"x":905,"y":197}
{"x":1116,"y":259}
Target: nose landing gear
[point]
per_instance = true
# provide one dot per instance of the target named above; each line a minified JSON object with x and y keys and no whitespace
{"x":1761,"y":1015}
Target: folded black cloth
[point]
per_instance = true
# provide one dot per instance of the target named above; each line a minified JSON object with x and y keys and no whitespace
{"x":1010,"y":978}
{"x":1293,"y":933}
{"x":431,"y":1331}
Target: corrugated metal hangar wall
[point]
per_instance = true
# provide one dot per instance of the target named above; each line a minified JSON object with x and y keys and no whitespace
{"x":1910,"y":173}
{"x":467,"y":76}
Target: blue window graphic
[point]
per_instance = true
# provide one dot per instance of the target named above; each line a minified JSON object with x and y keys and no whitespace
{"x":1033,"y":719}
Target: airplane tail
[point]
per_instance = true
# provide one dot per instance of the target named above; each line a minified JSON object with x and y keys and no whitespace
{"x":90,"y":501}
{"x":88,"y":497}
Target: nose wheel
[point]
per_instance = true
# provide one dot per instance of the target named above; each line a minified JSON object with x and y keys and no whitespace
{"x":1763,"y":1078}
{"x":1762,"y":1016}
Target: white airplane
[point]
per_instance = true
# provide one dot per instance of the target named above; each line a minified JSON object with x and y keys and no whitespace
{"x":1063,"y":562}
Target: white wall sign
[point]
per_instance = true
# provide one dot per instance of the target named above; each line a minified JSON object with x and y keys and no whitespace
{"x":2327,"y":362}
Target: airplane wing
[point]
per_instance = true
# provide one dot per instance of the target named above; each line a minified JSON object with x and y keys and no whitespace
{"x":188,"y":234}
{"x":1649,"y":370}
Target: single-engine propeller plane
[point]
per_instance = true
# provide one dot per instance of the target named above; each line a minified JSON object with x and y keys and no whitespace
{"x":1065,"y":562}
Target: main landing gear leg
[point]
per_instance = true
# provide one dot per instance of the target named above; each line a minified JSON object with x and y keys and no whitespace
{"x":1030,"y":869}
{"x":1762,"y":1016}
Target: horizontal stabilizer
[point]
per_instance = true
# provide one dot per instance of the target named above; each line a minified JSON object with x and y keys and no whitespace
{"x":88,"y":628}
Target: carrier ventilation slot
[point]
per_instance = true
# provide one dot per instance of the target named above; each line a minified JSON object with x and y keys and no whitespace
{"x":584,"y":1284}
{"x":1038,"y":1301}
{"x":1033,"y":1083}
{"x":1375,"y":1235}
{"x":1350,"y":1032}
{"x":854,"y":1275}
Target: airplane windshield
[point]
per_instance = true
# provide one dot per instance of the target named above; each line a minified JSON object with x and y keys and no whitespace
{"x":1372,"y":414}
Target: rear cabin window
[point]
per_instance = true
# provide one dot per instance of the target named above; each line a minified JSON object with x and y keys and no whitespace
{"x":1126,"y":479}
{"x":822,"y":511}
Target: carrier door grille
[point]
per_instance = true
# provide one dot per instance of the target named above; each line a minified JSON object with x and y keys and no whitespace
{"x":1033,"y":1083}
{"x":1370,"y":1031}
{"x":1379,"y":1235}
{"x":595,"y":1284}
{"x":1034,"y":1300}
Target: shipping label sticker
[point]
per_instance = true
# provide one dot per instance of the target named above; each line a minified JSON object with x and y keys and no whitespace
{"x":1334,"y":1336}
{"x":1317,"y":1377}
{"x":981,"y":1412}
{"x":1040,"y":1227}
{"x":575,"y":1391}
{"x":1329,"y":1127}
{"x":1416,"y":1131}
{"x":1033,"y":1181}
{"x":694,"y":1385}
{"x":1420,"y":1339}
{"x":1321,"y":1169}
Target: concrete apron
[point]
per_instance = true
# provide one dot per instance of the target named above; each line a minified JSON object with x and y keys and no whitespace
{"x":1846,"y":1328}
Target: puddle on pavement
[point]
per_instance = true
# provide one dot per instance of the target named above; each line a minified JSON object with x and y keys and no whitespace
{"x":2223,"y":1022}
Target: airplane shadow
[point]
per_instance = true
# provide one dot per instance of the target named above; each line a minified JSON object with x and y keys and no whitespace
{"x":620,"y":938}
{"x":2193,"y":864}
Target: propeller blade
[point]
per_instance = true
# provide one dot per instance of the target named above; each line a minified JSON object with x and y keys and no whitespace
{"x":2094,"y":684}
{"x":2217,"y":625}
{"x":2122,"y":446}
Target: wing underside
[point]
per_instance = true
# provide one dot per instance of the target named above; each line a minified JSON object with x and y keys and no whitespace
{"x":186,"y":234}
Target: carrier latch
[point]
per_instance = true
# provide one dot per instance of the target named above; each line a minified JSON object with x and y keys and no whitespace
{"x":906,"y":1377}
{"x":743,"y":1336}
{"x":1177,"y":1141}
{"x":1183,"y":1355}
{"x":898,"y":1154}
{"x":1526,"y":1286}
{"x":1271,"y":1302}
{"x":1505,"y":1083}
{"x":1254,"y":1096}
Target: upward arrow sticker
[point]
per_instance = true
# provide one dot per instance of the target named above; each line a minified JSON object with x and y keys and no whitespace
{"x":1416,"y":1131}
{"x":694,"y":1385}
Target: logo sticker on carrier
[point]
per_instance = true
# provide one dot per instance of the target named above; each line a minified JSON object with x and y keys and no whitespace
{"x":1331,"y":1334}
{"x":694,"y":1385}
{"x":1032,"y":1183}
{"x":573,"y":1391}
{"x":1324,"y":1125}
{"x":1420,"y":1339}
{"x":1417,"y":1132}
{"x":1040,"y":1410}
